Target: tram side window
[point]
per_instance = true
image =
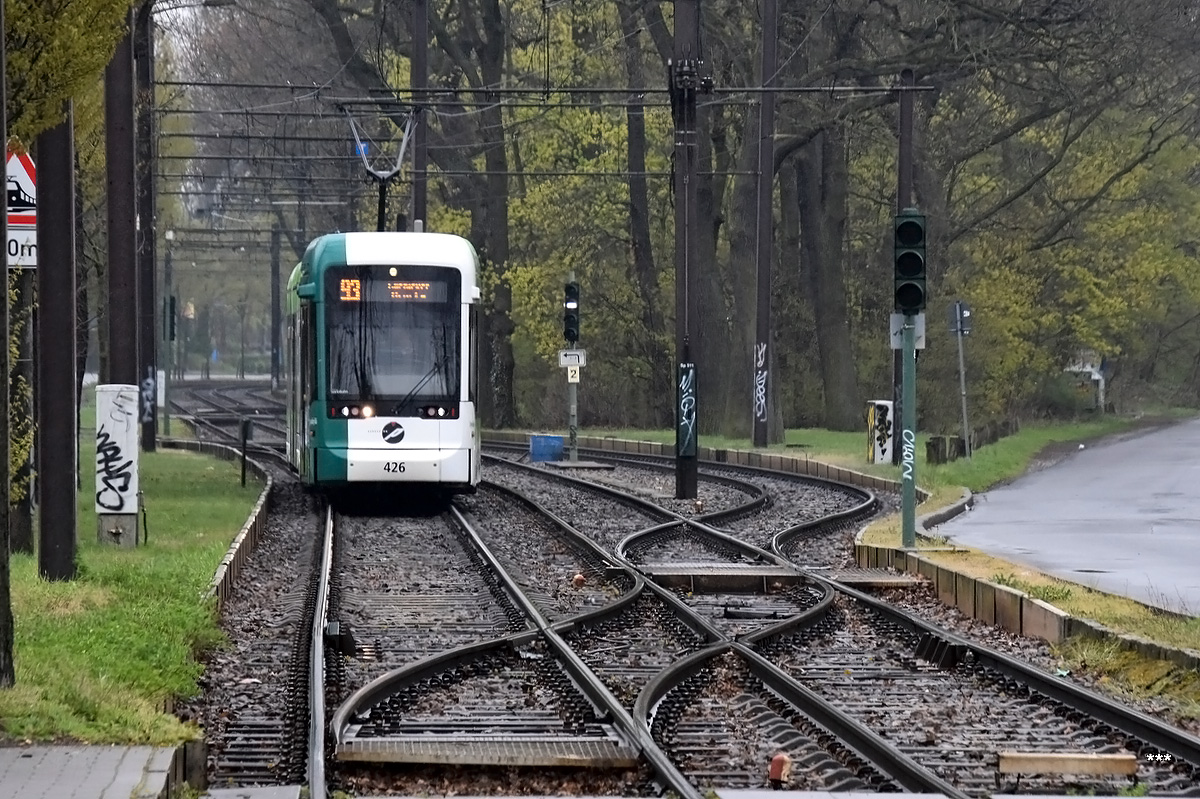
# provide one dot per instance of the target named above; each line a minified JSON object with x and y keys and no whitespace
{"x":308,"y":363}
{"x":473,"y":353}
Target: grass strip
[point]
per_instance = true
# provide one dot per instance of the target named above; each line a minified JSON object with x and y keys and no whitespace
{"x":97,"y":658}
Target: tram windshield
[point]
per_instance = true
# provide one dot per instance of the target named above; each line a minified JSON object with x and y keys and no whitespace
{"x":393,"y":333}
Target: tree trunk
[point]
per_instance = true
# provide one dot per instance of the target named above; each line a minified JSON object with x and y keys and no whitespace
{"x":81,"y":321}
{"x":495,"y":212}
{"x":710,"y":340}
{"x":823,"y":179}
{"x":738,"y":413}
{"x":791,"y":320}
{"x":645,"y":272}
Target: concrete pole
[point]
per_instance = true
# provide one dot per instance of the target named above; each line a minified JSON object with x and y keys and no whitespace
{"x":420,"y":81}
{"x":761,"y":387}
{"x":143,"y":50}
{"x":683,"y":77}
{"x":962,"y":379}
{"x":55,"y":332}
{"x":170,"y":324}
{"x":121,"y":308}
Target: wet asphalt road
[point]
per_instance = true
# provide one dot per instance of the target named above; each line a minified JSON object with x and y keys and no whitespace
{"x":1121,"y":516}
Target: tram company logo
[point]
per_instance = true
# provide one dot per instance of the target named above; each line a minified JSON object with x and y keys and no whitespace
{"x":393,"y":433}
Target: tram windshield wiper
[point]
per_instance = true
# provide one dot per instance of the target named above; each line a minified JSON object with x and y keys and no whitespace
{"x":433,"y":370}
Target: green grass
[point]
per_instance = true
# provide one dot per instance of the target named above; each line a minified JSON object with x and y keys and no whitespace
{"x":995,"y":463}
{"x":98,"y":657}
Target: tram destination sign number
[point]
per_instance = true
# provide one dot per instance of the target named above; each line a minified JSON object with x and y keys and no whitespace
{"x":568,"y":358}
{"x":21,"y":197}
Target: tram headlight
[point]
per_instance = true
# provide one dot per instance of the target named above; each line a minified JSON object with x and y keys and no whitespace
{"x":368,"y":411}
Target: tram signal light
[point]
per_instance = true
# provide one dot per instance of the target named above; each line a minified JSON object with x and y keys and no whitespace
{"x":909,"y":240}
{"x":571,"y":312}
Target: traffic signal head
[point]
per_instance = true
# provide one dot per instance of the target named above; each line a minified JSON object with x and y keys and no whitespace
{"x":571,"y":312}
{"x":910,"y":261}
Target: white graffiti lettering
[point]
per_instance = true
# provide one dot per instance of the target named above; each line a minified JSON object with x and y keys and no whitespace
{"x":760,"y":355}
{"x":760,"y":395}
{"x":114,"y":469}
{"x":120,"y":411}
{"x":148,"y":392}
{"x":687,"y":410}
{"x":908,"y":454}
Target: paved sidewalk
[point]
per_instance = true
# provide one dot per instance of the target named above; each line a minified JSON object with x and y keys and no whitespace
{"x":84,"y":772}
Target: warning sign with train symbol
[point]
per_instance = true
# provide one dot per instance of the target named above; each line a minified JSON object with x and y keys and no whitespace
{"x":22,"y":211}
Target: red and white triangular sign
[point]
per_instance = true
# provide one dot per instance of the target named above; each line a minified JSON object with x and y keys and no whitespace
{"x":22,"y":191}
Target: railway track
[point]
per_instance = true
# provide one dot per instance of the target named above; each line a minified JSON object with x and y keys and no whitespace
{"x":635,"y":687}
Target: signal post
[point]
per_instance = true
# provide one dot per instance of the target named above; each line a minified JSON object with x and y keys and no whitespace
{"x":909,"y":283}
{"x":573,"y":360}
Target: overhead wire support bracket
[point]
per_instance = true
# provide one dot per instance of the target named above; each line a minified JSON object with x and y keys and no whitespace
{"x":381,"y":175}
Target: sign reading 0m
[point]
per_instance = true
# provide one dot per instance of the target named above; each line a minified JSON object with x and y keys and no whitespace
{"x":21,"y":197}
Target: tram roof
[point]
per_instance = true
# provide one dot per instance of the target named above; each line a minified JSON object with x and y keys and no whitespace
{"x":392,"y":248}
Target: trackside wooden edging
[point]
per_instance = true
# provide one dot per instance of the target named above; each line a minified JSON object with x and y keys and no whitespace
{"x":1002,"y":605}
{"x":781,"y":462}
{"x":189,"y":760}
{"x":980,"y":599}
{"x":247,"y":538}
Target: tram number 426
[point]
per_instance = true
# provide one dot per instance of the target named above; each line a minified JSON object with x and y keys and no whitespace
{"x":395,"y":467}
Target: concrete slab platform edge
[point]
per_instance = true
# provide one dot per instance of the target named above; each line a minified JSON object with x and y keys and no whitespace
{"x":1004,"y":606}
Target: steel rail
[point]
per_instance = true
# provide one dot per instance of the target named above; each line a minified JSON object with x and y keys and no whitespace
{"x":590,"y":684}
{"x":871,"y":746}
{"x":672,"y":519}
{"x":861,"y":738}
{"x":953,"y":647}
{"x":316,"y":677}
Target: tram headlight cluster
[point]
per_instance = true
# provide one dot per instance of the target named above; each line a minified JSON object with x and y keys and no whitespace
{"x":351,"y":411}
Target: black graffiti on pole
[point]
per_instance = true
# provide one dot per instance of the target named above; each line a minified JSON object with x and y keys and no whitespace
{"x":883,"y":430}
{"x":115,"y":472}
{"x":148,"y":392}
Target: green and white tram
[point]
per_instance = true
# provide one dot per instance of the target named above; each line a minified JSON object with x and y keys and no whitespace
{"x":382,"y":360}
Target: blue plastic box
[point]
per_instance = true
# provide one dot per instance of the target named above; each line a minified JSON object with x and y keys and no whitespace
{"x":545,"y":448}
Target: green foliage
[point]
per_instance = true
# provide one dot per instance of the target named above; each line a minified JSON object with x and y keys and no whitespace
{"x":20,"y":424}
{"x":56,"y":49}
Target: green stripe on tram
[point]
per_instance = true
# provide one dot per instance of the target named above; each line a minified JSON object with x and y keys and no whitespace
{"x":332,"y":434}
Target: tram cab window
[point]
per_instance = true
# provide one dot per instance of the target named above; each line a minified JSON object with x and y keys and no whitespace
{"x":393,"y":336}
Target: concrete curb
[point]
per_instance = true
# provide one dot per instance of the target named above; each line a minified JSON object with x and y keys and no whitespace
{"x":792,"y":464}
{"x":980,"y":599}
